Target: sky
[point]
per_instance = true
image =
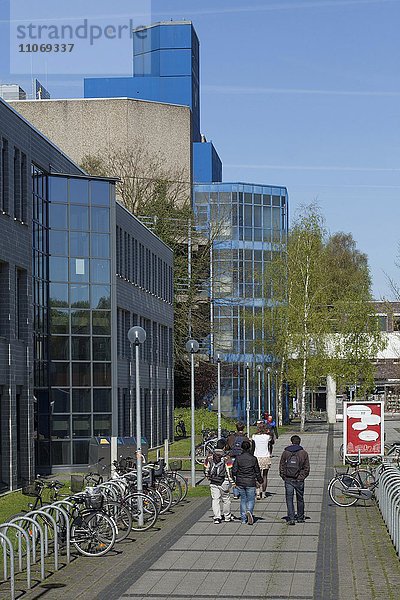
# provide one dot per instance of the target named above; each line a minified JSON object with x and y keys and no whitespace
{"x":299,"y":93}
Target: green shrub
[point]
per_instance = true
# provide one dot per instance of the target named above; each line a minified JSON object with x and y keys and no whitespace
{"x":203,"y":419}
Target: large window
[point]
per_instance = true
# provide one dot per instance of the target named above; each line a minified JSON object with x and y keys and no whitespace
{"x":80,"y":324}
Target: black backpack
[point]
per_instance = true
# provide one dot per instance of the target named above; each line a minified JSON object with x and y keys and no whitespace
{"x":236,"y":449}
{"x":292,"y":465}
{"x":217,"y":474}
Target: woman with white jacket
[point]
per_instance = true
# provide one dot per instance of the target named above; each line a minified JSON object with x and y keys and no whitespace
{"x":261,"y":440}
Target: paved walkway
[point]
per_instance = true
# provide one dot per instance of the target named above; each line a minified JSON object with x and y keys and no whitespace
{"x":337,"y":554}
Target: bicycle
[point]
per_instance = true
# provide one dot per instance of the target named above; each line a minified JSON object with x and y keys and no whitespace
{"x":180,"y":427}
{"x":93,"y":532}
{"x":345,"y":489}
{"x":204,"y":449}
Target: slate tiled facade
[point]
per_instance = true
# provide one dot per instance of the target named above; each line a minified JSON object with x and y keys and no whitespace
{"x":21,"y":146}
{"x":38,"y":432}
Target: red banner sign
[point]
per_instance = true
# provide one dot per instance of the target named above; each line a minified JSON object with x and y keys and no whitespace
{"x":363,"y":428}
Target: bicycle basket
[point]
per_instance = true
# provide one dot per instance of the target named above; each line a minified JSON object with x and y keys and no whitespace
{"x":32,"y":489}
{"x":76,"y":483}
{"x":175,"y":465}
{"x":94,"y":500}
{"x":130,"y":463}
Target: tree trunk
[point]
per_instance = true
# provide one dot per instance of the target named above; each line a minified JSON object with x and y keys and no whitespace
{"x":280,"y":395}
{"x":303,"y":394}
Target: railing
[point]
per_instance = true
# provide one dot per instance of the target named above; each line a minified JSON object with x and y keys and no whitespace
{"x":19,"y":538}
{"x":388,"y":497}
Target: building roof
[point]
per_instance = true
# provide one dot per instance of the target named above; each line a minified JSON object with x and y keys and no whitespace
{"x":39,"y":133}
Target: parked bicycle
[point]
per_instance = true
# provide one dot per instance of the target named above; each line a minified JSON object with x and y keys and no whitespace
{"x":345,"y":489}
{"x":180,"y":427}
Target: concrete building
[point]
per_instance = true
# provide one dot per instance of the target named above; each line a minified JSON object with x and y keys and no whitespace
{"x":103,"y":126}
{"x":166,"y":68}
{"x":76,"y":271}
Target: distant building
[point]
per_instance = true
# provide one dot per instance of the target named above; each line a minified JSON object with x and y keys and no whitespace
{"x":166,"y":69}
{"x":40,"y":91}
{"x":387,"y":363}
{"x":11,"y":91}
{"x":251,"y":226}
{"x":76,"y":271}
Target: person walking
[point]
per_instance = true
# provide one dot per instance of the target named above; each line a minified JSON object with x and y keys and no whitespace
{"x":294,"y":468}
{"x":245,"y":473}
{"x":217,"y":472}
{"x":271,"y":424}
{"x":234,"y":446}
{"x":261,"y":440}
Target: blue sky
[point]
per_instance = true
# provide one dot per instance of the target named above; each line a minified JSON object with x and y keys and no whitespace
{"x":301,"y":93}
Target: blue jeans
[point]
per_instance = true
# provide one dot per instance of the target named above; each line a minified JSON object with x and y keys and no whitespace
{"x":292,"y":486}
{"x":247,"y":501}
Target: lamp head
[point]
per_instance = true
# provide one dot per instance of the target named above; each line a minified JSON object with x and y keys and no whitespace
{"x":136,"y":335}
{"x":192,"y":346}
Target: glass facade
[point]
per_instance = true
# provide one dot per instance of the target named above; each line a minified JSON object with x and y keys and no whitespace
{"x":248,"y":224}
{"x":72,"y":297}
{"x":42,"y":418}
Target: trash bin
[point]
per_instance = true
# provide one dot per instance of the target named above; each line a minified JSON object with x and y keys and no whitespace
{"x":100,"y":452}
{"x":127,"y":449}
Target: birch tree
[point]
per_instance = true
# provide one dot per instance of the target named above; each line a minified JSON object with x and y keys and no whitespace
{"x":355,"y":335}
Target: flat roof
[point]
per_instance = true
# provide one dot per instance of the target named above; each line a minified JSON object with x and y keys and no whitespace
{"x":39,"y":133}
{"x":101,"y":99}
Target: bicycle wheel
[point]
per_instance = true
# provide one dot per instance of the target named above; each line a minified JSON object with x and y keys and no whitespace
{"x":122,"y":517}
{"x":338,"y":489}
{"x":199,"y":454}
{"x":156,"y":497}
{"x":183,"y":482}
{"x":143,"y":502}
{"x":166,"y":495}
{"x":93,"y":533}
{"x":175,"y":487}
{"x":365,"y":477}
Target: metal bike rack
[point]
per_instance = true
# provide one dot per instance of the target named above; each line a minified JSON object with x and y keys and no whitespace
{"x":109,"y":487}
{"x":20,"y":529}
{"x":36,"y":527}
{"x":65,"y":517}
{"x":5,"y":541}
{"x":40,"y":513}
{"x":388,"y":497}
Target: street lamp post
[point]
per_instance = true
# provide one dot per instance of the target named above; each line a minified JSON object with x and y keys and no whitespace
{"x":269,"y":390}
{"x":192,"y":346}
{"x":137,"y":336}
{"x":259,"y":369}
{"x":248,"y":398}
{"x":276,"y":396}
{"x":219,"y":394}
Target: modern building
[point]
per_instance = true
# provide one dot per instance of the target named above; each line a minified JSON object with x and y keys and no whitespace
{"x":76,"y":271}
{"x":249,"y":224}
{"x":11,"y":91}
{"x":166,"y":69}
{"x":251,"y":221}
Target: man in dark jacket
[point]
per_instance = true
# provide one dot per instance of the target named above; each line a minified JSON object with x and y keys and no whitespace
{"x":234,"y":446}
{"x":294,"y":467}
{"x":245,"y":473}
